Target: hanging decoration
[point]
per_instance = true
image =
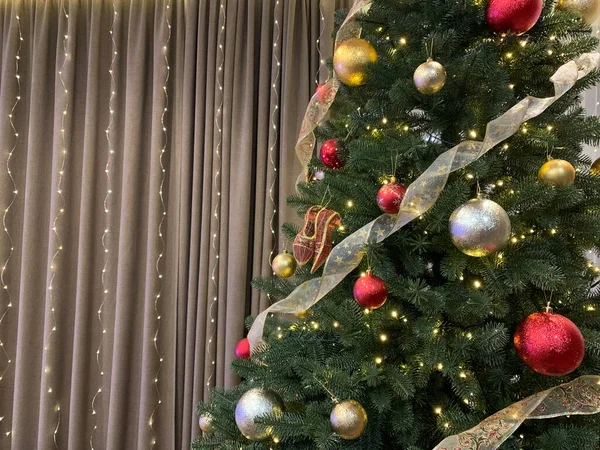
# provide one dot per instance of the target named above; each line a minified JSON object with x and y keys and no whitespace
{"x":206,"y":423}
{"x":370,"y":291}
{"x":589,"y":9}
{"x":513,"y":16}
{"x":242,"y":349}
{"x":331,"y":154}
{"x":348,"y":419}
{"x":390,"y":195}
{"x":429,"y":77}
{"x":351,"y":60}
{"x":284,"y":265}
{"x":255,"y":403}
{"x":557,"y":172}
{"x":314,"y":239}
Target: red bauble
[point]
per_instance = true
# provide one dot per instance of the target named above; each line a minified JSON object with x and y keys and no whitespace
{"x":330,"y":154}
{"x":549,"y":343}
{"x":513,"y":16}
{"x":322,"y":91}
{"x":390,"y":196}
{"x":242,"y":349}
{"x":370,"y":291}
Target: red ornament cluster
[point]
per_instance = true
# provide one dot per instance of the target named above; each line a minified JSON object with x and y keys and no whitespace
{"x":370,"y":291}
{"x":389,"y":197}
{"x":330,"y":154}
{"x":513,"y":16}
{"x":242,"y":349}
{"x":549,"y":344}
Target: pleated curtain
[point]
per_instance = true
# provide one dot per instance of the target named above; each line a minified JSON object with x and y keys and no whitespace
{"x":138,"y":193}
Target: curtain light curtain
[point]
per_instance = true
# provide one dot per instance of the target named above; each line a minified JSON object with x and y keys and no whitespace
{"x":138,"y":142}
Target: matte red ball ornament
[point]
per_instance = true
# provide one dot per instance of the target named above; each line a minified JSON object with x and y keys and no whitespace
{"x":550,"y":344}
{"x":513,"y":16}
{"x":242,"y":349}
{"x":330,"y":154}
{"x":370,"y":291}
{"x":389,"y":197}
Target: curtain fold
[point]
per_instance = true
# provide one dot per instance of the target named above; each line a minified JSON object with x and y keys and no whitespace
{"x":139,"y":142}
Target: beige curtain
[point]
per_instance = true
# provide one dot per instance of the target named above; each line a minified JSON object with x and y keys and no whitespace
{"x":138,"y":142}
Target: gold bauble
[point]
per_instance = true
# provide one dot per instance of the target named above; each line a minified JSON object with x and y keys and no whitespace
{"x":479,"y":227}
{"x":557,"y":172}
{"x":206,"y":423}
{"x":284,"y":265}
{"x":255,"y":403}
{"x":595,"y":168}
{"x":429,"y":77}
{"x":589,"y":9}
{"x":348,"y":419}
{"x":351,"y":59}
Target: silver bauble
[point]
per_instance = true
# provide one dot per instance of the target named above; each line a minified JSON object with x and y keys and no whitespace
{"x":429,"y":77}
{"x":348,"y":419}
{"x":206,"y":423}
{"x":256,"y":402}
{"x":479,"y":227}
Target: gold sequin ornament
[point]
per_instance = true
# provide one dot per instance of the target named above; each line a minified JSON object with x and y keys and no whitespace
{"x":479,"y":227}
{"x":351,"y":59}
{"x":255,"y":403}
{"x":429,"y":77}
{"x":348,"y":419}
{"x":557,"y":172}
{"x":589,"y":9}
{"x":284,"y":265}
{"x":206,"y":423}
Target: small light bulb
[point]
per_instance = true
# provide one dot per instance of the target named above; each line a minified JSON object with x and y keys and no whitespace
{"x":437,"y":410}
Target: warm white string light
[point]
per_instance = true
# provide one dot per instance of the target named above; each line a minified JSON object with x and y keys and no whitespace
{"x":161,"y":239}
{"x":58,"y":243}
{"x":321,"y":30}
{"x":107,"y":220}
{"x":217,"y":187}
{"x":274,"y":115}
{"x":10,"y":245}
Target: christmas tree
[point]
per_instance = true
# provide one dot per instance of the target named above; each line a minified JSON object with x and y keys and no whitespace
{"x":432,"y":325}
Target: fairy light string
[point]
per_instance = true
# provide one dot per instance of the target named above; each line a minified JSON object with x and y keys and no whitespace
{"x":161,"y":239}
{"x":217,"y":188}
{"x":321,"y":30}
{"x":13,"y":186}
{"x":107,"y":222}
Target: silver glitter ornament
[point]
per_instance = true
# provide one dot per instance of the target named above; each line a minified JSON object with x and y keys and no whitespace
{"x":256,"y":402}
{"x":479,"y":227}
{"x":429,"y":77}
{"x":206,"y":423}
{"x":348,"y":419}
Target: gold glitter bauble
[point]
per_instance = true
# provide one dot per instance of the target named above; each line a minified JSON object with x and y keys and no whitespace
{"x":206,"y":423}
{"x":429,"y":77}
{"x":595,"y":168}
{"x":351,"y":59}
{"x":348,"y":419}
{"x":255,"y":403}
{"x":479,"y":227}
{"x":557,"y":172}
{"x":589,"y":9}
{"x":284,"y":265}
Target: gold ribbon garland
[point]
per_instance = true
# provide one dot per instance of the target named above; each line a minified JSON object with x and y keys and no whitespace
{"x":578,"y":397}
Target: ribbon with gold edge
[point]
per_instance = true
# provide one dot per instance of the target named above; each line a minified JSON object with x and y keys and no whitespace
{"x":422,"y":194}
{"x":578,"y":397}
{"x":320,"y":103}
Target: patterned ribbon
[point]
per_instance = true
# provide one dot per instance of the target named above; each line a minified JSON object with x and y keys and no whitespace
{"x":321,"y":102}
{"x":421,"y":195}
{"x":579,"y":397}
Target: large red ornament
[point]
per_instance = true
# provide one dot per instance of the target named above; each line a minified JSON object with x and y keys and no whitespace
{"x":389,"y":197}
{"x":513,"y":16}
{"x":370,"y":291}
{"x":242,"y":349}
{"x":550,"y":344}
{"x":330,"y":154}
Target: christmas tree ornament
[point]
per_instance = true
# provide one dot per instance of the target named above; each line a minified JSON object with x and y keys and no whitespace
{"x":304,"y":243}
{"x":549,"y":344}
{"x":351,"y":59}
{"x":370,"y":291}
{"x":479,"y":227}
{"x":284,"y":265}
{"x":331,"y":154}
{"x":256,"y":403}
{"x":595,"y":168}
{"x":589,"y":9}
{"x":206,"y":423}
{"x":242,"y":349}
{"x":512,"y":16}
{"x":557,"y":172}
{"x":390,"y":195}
{"x":429,"y":77}
{"x":323,"y":90}
{"x":315,"y":237}
{"x":348,"y":419}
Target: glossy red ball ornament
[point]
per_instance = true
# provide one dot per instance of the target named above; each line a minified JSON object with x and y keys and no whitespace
{"x":513,"y":16}
{"x":550,"y":344}
{"x":389,"y":197}
{"x":330,"y":154}
{"x":370,"y":291}
{"x":322,"y":91}
{"x":242,"y":349}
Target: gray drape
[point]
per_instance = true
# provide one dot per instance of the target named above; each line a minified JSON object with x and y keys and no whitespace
{"x":138,"y":142}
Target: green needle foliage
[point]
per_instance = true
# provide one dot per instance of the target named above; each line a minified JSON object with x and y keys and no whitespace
{"x":438,"y":357}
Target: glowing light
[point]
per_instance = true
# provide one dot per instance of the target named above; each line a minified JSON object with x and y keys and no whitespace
{"x":383,"y":337}
{"x":437,"y":410}
{"x":378,"y":360}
